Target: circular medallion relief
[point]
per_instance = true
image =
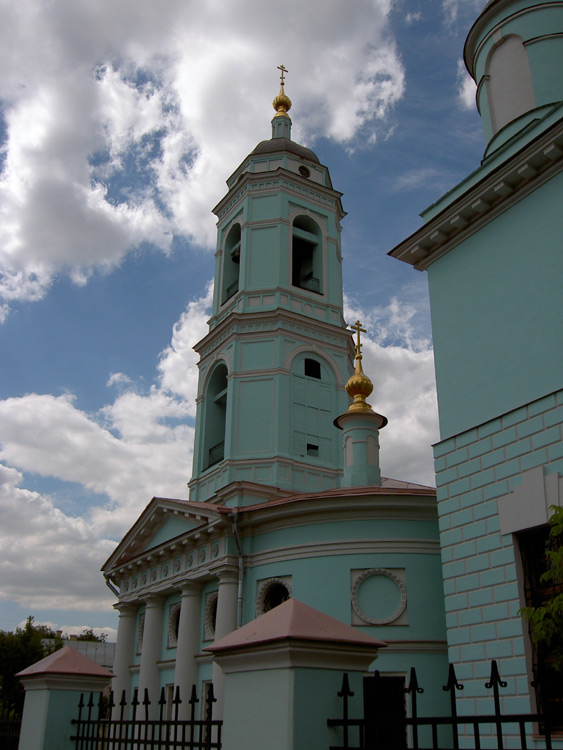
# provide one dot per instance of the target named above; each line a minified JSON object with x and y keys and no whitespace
{"x":379,"y":597}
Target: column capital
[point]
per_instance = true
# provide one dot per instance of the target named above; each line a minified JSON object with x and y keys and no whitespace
{"x":190,"y":588}
{"x":154,"y":600}
{"x":226,"y":572}
{"x":125,"y":608}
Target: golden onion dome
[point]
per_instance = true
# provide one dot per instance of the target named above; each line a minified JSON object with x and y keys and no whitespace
{"x":282,"y":102}
{"x":359,"y":386}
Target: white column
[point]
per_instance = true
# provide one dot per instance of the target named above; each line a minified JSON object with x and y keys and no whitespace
{"x":150,"y":652}
{"x":124,"y":650}
{"x":185,"y":671}
{"x":225,"y":623}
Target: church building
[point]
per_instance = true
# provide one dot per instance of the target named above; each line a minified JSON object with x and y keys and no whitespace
{"x":286,"y":496}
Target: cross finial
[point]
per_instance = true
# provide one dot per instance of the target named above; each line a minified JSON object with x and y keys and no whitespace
{"x":283,"y":70}
{"x":358,"y":328}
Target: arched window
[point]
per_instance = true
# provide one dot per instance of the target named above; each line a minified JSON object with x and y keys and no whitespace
{"x":271,"y":593}
{"x":510,"y":89}
{"x":215,"y":417}
{"x":306,"y":255}
{"x":231,"y":263}
{"x":313,"y":408}
{"x":210,"y":615}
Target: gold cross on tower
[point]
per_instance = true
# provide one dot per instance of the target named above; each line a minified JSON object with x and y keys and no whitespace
{"x":358,"y":328}
{"x":283,"y":70}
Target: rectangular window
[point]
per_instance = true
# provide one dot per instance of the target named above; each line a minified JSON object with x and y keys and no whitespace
{"x":533,"y":546}
{"x":312,"y":450}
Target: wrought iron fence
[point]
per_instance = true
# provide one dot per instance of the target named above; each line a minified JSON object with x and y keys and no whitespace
{"x":108,"y":726}
{"x":485,"y":730}
{"x":10,"y":725}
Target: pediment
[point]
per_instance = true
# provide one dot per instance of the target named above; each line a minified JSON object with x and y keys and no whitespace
{"x":163,"y":520}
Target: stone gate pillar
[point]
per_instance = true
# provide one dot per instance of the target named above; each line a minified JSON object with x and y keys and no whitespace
{"x":52,"y":692}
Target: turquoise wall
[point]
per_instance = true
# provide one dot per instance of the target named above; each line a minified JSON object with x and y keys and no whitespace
{"x":490,"y":296}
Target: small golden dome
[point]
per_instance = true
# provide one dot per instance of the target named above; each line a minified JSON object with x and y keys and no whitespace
{"x":359,"y":386}
{"x":282,"y":102}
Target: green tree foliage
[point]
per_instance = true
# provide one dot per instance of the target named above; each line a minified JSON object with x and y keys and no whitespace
{"x":547,"y":619}
{"x":19,"y":650}
{"x":89,"y":635}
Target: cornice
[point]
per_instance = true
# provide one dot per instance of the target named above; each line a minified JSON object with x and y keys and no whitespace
{"x":312,"y":510}
{"x":473,"y":46}
{"x":503,"y":187}
{"x":229,"y":327}
{"x":407,"y":647}
{"x":403,"y":546}
{"x":272,"y":182}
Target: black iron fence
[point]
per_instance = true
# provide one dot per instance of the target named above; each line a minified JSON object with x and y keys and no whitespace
{"x":10,"y":725}
{"x":103,"y":725}
{"x":379,"y":731}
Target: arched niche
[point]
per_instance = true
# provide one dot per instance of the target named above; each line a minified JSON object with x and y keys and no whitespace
{"x":231,"y":263}
{"x":306,"y":254}
{"x":313,"y":408}
{"x":510,"y":91}
{"x":215,"y":406}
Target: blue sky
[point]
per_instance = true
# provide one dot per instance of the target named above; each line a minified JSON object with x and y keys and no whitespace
{"x":120,"y":124}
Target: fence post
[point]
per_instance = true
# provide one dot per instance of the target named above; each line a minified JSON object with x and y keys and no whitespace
{"x":451,"y":686}
{"x":494,"y":683}
{"x":282,"y":673}
{"x":53,"y":688}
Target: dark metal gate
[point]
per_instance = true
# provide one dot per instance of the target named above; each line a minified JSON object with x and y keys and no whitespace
{"x":385,"y":729}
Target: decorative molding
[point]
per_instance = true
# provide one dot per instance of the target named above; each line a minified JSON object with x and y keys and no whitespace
{"x":173,"y":622}
{"x":349,"y":547}
{"x":504,"y":186}
{"x":210,"y":613}
{"x":263,"y":588}
{"x":391,"y":575}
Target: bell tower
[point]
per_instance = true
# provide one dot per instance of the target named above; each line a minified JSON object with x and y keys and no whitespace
{"x":274,"y":365}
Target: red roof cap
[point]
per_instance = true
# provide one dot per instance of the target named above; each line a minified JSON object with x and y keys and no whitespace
{"x":66,"y":661}
{"x":294,"y":620}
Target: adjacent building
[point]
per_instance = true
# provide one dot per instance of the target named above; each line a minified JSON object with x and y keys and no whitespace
{"x":493,"y":251}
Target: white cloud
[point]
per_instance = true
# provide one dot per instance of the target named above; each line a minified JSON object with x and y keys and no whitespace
{"x":414,"y":179}
{"x":117,"y":133}
{"x":411,"y":18}
{"x":466,"y":88}
{"x":135,"y":447}
{"x":402,"y":373}
{"x":48,"y":559}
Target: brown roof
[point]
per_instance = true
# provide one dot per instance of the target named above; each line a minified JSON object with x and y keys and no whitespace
{"x":297,"y":621}
{"x":66,"y":661}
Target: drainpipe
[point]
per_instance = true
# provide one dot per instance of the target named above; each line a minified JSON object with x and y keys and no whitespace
{"x":233,"y":517}
{"x":111,"y":587}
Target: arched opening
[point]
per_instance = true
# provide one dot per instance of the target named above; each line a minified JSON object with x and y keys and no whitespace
{"x":231,"y":263}
{"x":276,"y":594}
{"x":271,"y":593}
{"x":210,"y":615}
{"x":306,"y":255}
{"x":215,"y":417}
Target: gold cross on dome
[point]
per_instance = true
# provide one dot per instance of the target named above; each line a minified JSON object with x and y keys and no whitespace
{"x":284,"y":70}
{"x":358,"y":328}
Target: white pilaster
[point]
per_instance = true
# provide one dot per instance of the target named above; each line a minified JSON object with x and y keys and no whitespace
{"x":124,"y":650}
{"x":151,"y":652}
{"x":185,"y":673}
{"x":225,"y":623}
